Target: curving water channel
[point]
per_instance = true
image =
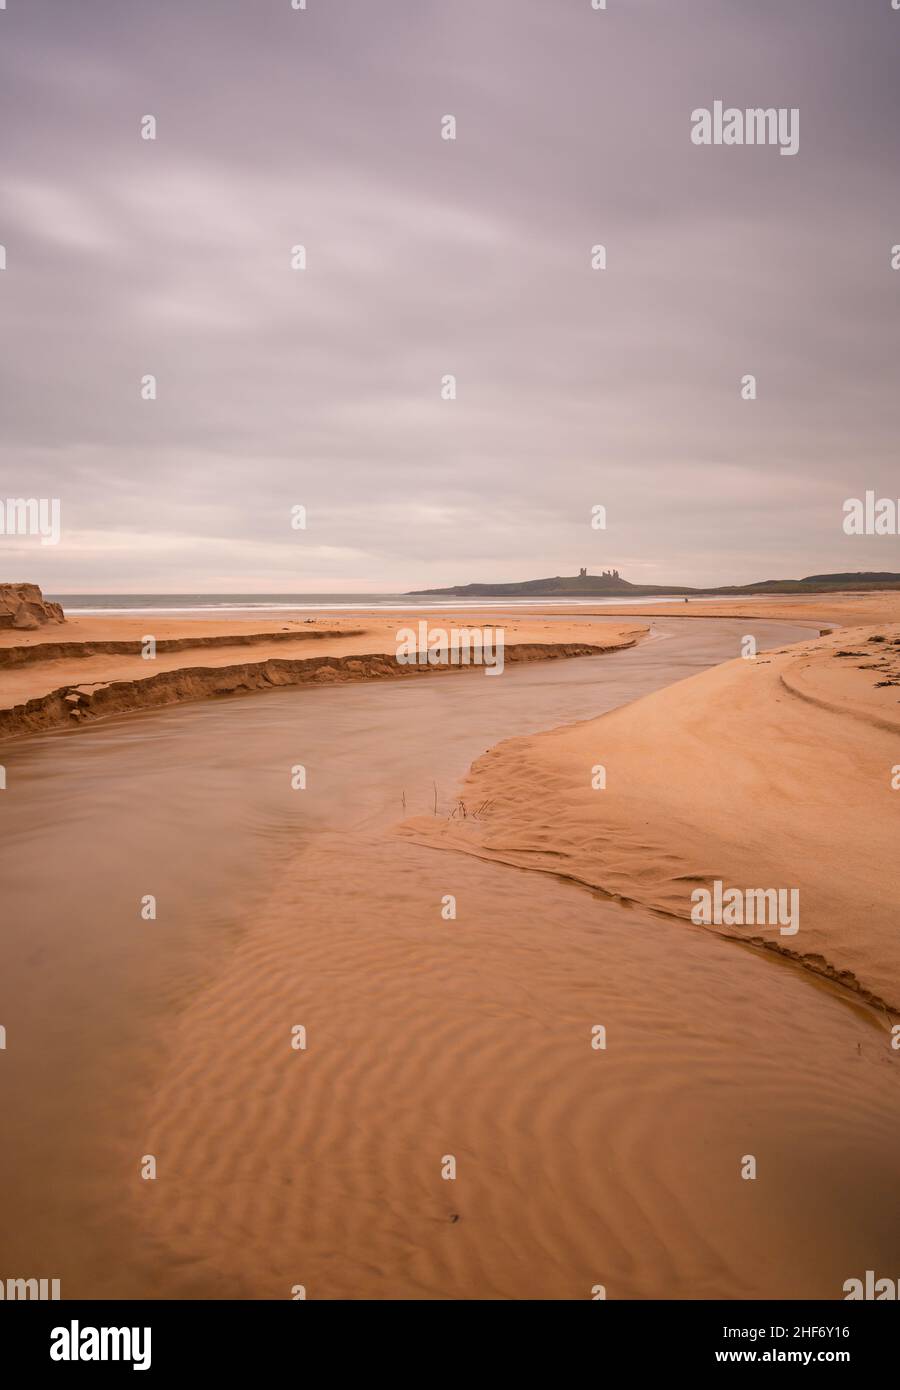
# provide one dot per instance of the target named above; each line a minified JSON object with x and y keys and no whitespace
{"x":425,"y":1038}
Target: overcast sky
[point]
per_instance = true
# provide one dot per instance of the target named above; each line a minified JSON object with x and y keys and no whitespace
{"x":426,"y":257}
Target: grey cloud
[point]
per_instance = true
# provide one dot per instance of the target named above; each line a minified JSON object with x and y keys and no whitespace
{"x":425,"y":257}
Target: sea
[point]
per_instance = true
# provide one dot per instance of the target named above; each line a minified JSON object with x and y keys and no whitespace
{"x":251,"y":606}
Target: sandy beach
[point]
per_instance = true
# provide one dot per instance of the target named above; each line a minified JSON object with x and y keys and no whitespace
{"x":469,"y":1036}
{"x":92,"y":667}
{"x":777,"y":770}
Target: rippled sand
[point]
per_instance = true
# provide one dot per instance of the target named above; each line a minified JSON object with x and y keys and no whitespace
{"x":473,"y":1038}
{"x":426,"y":1037}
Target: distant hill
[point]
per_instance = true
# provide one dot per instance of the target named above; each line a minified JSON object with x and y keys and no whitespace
{"x":611,"y":585}
{"x":870,"y":577}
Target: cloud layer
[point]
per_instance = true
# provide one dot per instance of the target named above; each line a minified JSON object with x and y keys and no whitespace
{"x":427,"y":257}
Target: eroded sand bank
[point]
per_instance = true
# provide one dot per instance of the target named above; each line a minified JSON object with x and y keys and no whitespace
{"x":91,"y":668}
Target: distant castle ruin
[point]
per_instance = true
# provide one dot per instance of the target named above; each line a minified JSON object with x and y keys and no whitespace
{"x":607,"y":574}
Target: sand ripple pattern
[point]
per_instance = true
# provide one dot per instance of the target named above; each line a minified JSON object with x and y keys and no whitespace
{"x":473,"y":1038}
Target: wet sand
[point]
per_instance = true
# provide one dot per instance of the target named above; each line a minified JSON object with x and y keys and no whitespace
{"x":426,"y":1037}
{"x":773,"y":773}
{"x":840,"y":609}
{"x":90,"y":668}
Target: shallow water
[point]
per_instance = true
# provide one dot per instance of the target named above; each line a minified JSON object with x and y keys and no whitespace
{"x":472,"y":1037}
